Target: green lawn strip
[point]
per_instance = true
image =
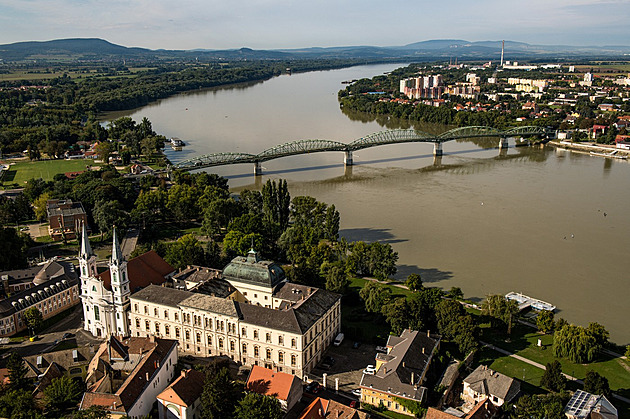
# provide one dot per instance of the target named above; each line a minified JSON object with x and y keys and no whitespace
{"x":512,"y":367}
{"x":523,"y":342}
{"x":45,"y":169}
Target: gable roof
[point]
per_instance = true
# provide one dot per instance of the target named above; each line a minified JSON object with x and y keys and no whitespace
{"x":270,"y":383}
{"x":484,"y":380}
{"x":403,"y":366}
{"x":185,"y":390}
{"x":144,"y":270}
{"x":328,"y":409}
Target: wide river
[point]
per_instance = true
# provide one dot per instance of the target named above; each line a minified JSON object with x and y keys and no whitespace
{"x":551,"y":224}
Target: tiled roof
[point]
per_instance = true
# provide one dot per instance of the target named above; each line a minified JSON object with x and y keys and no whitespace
{"x":210,"y":303}
{"x":154,"y":351}
{"x":410,"y":356}
{"x":329,"y":409}
{"x":162,"y":296}
{"x":185,"y":389}
{"x":144,"y":270}
{"x":484,"y":380}
{"x":270,"y":383}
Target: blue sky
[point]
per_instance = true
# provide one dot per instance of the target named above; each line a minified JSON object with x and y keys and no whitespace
{"x":269,"y":24}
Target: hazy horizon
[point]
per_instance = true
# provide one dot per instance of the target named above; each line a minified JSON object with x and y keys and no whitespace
{"x":283,"y":24}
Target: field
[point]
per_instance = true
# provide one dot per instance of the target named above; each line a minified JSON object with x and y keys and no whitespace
{"x":23,"y":170}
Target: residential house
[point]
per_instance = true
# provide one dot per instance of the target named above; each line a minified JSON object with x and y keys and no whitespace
{"x":125,"y":376}
{"x":285,"y":387}
{"x":327,"y":409}
{"x":401,"y":372}
{"x":482,"y":410}
{"x":182,"y":399}
{"x":585,"y":405}
{"x":484,"y":382}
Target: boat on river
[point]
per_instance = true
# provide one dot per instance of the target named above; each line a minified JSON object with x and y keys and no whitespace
{"x":525,"y":302}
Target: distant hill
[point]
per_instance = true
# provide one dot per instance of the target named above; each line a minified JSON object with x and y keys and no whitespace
{"x":94,"y":49}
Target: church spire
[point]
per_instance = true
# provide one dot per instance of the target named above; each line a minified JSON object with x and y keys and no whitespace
{"x":117,"y":256}
{"x":86,"y":250}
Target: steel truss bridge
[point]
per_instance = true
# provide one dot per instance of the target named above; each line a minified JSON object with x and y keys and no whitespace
{"x":396,"y":136}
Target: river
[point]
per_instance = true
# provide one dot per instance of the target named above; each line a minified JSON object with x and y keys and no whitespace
{"x":549,"y":223}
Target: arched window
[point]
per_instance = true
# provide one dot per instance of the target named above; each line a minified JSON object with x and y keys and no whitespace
{"x":256,"y":351}
{"x":281,"y":357}
{"x":167,"y":330}
{"x":268,"y":353}
{"x":243,"y":332}
{"x":187,"y":334}
{"x":147,"y":325}
{"x":293,"y":360}
{"x":293,"y":343}
{"x":244,"y":349}
{"x":138,"y":323}
{"x":232,"y":346}
{"x":220,"y":343}
{"x":166,"y":314}
{"x":177,"y":332}
{"x":198,"y":337}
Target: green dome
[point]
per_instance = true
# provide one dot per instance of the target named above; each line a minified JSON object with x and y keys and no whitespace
{"x":251,"y":270}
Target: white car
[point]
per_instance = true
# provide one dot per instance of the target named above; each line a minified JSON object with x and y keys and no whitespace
{"x":357,"y":392}
{"x":381,"y":349}
{"x":370,"y":369}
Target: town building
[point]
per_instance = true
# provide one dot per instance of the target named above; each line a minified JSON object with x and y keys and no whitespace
{"x":105,"y":296}
{"x":65,"y":218}
{"x":483,"y":383}
{"x":482,"y":410}
{"x":321,"y":408}
{"x":125,"y":376}
{"x":285,"y":387}
{"x":401,"y":372}
{"x":182,"y":399}
{"x":584,"y":405}
{"x":51,"y":288}
{"x":265,"y":321}
{"x":45,"y":367}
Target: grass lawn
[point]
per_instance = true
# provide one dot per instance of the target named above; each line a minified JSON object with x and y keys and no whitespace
{"x":23,"y":170}
{"x":524,"y":343}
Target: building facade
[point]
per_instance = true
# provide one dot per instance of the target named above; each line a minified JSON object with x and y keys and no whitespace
{"x":106,"y":296}
{"x":288,"y":330}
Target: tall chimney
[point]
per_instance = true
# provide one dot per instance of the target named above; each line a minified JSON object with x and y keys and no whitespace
{"x":502,"y":48}
{"x":147,"y":376}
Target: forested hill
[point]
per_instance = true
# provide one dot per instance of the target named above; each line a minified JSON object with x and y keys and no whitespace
{"x":93,"y":49}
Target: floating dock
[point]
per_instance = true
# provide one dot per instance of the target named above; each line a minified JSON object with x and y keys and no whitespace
{"x":525,"y":301}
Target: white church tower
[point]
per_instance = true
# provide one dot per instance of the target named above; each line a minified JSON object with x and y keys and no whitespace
{"x":87,"y":259}
{"x":120,"y":287}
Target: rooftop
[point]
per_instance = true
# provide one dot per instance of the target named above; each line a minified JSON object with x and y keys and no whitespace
{"x":253,"y":271}
{"x":270,"y":383}
{"x":144,"y":270}
{"x":484,"y":380}
{"x":185,"y":389}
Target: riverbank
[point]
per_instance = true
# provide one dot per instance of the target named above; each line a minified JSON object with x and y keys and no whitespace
{"x":589,"y":148}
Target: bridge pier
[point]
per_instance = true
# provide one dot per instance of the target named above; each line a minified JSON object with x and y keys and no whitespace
{"x":437,"y":161}
{"x":437,"y":149}
{"x":347,"y":158}
{"x":503,"y":143}
{"x":257,"y":169}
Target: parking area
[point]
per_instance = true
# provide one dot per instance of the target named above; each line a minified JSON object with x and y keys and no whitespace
{"x":348,"y":366}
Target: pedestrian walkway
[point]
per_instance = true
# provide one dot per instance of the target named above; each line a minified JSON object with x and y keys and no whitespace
{"x":542,"y":367}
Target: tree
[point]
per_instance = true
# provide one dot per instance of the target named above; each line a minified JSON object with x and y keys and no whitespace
{"x":595,"y":383}
{"x":599,"y":333}
{"x":104,"y":150}
{"x":33,"y":318}
{"x":258,"y":406}
{"x":185,"y":251}
{"x":375,"y":296}
{"x":399,"y":315}
{"x":575,"y":343}
{"x":18,"y":404}
{"x":93,"y":412}
{"x":456,"y":325}
{"x":627,"y":354}
{"x":414,"y":282}
{"x":455,"y":293}
{"x":544,"y":321}
{"x":62,"y":394}
{"x":40,"y":204}
{"x":548,"y":406}
{"x":500,"y":308}
{"x":13,"y":248}
{"x":220,"y":394}
{"x":108,"y":214}
{"x":17,"y":372}
{"x":337,"y":280}
{"x":552,"y":378}
{"x":276,"y":202}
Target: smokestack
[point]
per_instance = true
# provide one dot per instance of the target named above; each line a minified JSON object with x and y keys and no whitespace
{"x":502,"y":48}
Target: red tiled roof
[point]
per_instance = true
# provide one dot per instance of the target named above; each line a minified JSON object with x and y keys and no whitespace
{"x":144,"y":270}
{"x":185,"y":390}
{"x":315,"y":410}
{"x":327,"y":409}
{"x":270,"y":383}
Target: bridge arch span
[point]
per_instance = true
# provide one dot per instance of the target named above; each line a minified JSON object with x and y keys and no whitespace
{"x":300,"y":147}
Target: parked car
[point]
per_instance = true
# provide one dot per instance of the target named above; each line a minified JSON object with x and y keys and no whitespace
{"x":67,"y":335}
{"x":338,"y":339}
{"x":381,"y":349}
{"x":370,"y":369}
{"x":312,"y":387}
{"x":354,"y":404}
{"x":357,"y":392}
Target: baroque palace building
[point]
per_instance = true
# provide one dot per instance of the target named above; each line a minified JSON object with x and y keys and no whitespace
{"x":250,"y":313}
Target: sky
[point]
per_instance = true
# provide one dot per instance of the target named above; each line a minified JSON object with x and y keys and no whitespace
{"x":276,"y":24}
